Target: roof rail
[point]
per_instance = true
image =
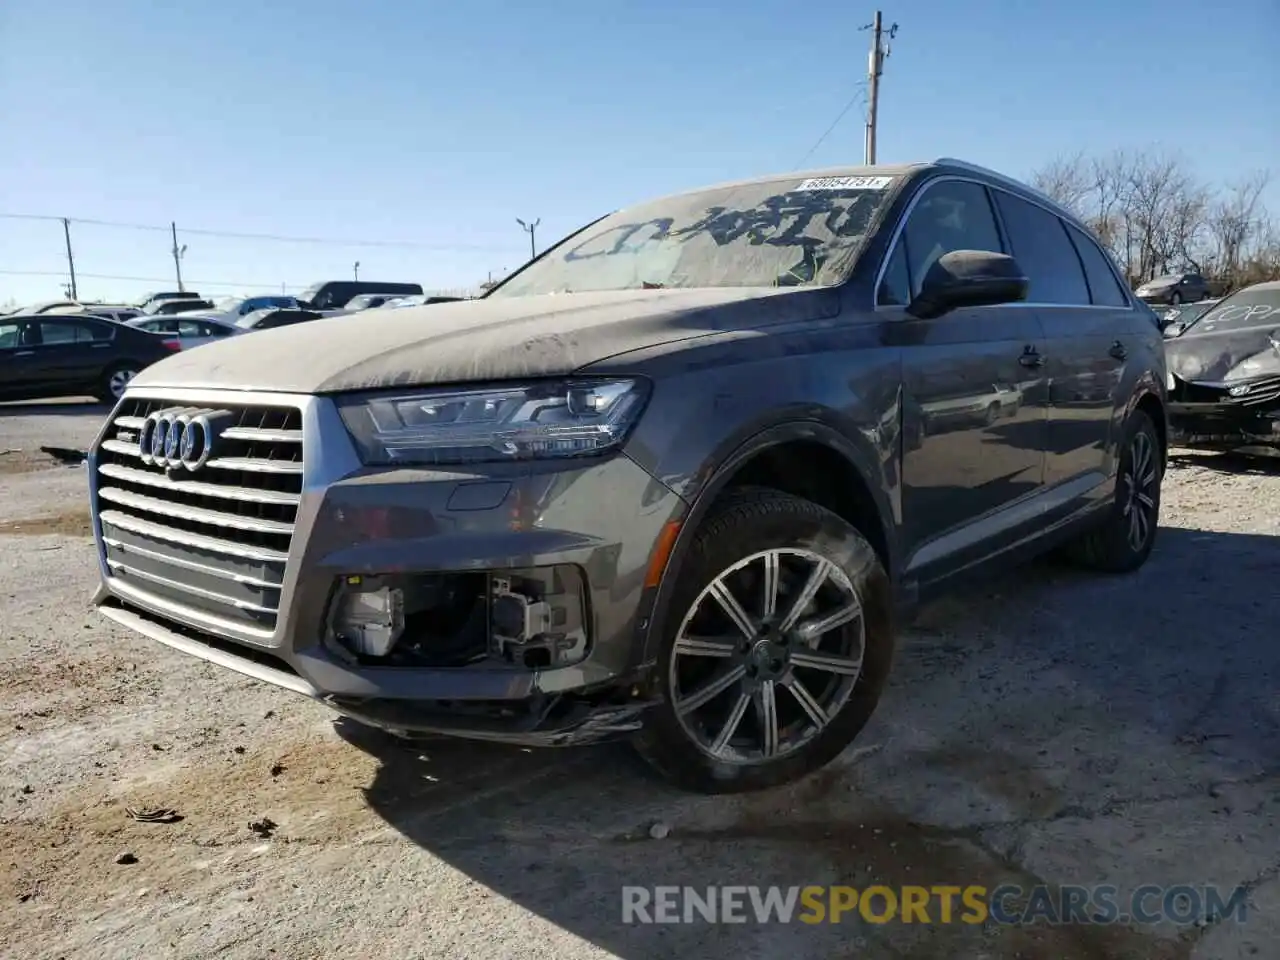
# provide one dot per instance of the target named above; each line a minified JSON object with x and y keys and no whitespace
{"x":997,"y":175}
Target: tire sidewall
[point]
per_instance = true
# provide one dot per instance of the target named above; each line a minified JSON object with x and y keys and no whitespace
{"x":789,"y":522}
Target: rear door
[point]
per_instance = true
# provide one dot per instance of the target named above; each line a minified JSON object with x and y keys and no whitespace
{"x":1084,"y":360}
{"x":974,"y":417}
{"x":75,"y":352}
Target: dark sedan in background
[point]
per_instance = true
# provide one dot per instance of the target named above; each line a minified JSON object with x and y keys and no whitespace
{"x":72,"y":355}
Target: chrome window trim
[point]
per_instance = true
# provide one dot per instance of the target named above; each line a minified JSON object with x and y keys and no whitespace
{"x":1031,"y":198}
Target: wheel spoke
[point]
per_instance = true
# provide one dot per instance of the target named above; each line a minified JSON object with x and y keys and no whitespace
{"x":772,"y":568}
{"x":731,"y":724}
{"x":811,"y":630}
{"x":1146,"y":501}
{"x":730,"y":605}
{"x":766,"y":705}
{"x":806,"y":701}
{"x":1148,"y":479}
{"x":1135,"y":537}
{"x":711,"y":690}
{"x":707,"y":646}
{"x":822,"y":569}
{"x":846,"y":666}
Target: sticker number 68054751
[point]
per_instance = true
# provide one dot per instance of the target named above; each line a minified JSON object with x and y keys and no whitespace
{"x":846,"y":183}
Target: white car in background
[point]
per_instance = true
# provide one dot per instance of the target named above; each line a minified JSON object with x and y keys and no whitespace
{"x":189,"y":329}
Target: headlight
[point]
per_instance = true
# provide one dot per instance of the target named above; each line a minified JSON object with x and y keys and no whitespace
{"x":566,"y":418}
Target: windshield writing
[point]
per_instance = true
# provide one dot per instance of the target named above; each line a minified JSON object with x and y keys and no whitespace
{"x":1248,"y":308}
{"x":779,"y":233}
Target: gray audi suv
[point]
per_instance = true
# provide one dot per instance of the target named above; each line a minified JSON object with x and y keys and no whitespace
{"x":676,"y":479}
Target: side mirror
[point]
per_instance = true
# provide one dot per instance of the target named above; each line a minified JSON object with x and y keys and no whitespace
{"x":968,"y":278}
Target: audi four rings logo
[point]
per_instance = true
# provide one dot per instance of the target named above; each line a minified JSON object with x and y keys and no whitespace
{"x":177,"y":438}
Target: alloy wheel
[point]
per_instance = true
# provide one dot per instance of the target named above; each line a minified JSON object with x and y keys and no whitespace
{"x":767,"y":656}
{"x":1138,"y":495}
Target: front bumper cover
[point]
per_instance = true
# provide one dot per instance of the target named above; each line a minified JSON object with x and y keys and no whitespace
{"x":1208,"y":415}
{"x":603,"y":516}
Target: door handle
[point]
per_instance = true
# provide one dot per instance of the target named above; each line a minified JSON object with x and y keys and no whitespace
{"x":1118,"y":350}
{"x":1030,"y":358}
{"x":24,"y":353}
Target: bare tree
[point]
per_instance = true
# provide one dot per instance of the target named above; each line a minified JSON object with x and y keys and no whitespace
{"x":1238,"y":220}
{"x":1066,"y":181}
{"x":1155,"y":216}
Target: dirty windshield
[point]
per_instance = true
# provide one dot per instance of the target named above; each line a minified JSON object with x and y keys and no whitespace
{"x":793,"y":232}
{"x":1248,"y":308}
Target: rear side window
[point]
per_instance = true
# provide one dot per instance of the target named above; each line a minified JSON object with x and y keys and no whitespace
{"x":1103,"y":285}
{"x":82,"y":332}
{"x":8,"y":335}
{"x":1040,"y":243}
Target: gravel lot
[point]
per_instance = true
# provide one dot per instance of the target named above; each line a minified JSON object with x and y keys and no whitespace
{"x":1048,"y":727}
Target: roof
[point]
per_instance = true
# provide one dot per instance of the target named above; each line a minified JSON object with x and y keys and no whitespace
{"x":874,"y":170}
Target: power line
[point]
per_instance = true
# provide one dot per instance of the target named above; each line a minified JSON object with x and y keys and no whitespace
{"x":274,"y":237}
{"x":112,"y":276}
{"x":859,"y":95}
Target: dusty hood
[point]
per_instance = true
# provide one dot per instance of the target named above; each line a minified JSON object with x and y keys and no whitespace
{"x":490,"y":339}
{"x":1235,"y":354}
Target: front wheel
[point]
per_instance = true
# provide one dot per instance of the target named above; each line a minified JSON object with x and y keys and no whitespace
{"x":1123,"y":540}
{"x":776,"y":647}
{"x":1175,"y":299}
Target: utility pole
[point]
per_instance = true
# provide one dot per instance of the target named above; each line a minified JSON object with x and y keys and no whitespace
{"x":529,"y":228}
{"x":71,"y":260}
{"x":355,"y":270}
{"x":875,"y":67}
{"x":178,"y":254}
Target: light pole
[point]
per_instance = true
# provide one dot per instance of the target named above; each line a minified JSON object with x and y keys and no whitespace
{"x":355,"y":270}
{"x":529,"y":228}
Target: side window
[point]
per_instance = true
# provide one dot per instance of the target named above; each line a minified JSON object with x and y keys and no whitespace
{"x":59,"y":333}
{"x":1039,"y":241}
{"x":93,"y":333}
{"x":8,"y":335}
{"x":1103,"y":285}
{"x":895,"y":287}
{"x":951,"y":215}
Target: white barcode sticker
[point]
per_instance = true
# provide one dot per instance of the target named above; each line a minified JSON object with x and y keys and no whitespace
{"x":846,"y":183}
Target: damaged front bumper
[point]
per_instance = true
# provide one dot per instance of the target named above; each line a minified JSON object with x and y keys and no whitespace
{"x":1225,"y":415}
{"x":509,"y":605}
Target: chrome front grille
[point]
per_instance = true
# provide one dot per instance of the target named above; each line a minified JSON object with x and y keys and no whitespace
{"x":214,"y":539}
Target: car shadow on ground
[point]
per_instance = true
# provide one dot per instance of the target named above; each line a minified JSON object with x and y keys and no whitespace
{"x":1044,"y":698}
{"x":1257,"y":464}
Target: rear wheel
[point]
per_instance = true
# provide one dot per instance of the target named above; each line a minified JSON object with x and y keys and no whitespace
{"x":776,"y":647}
{"x":1124,"y":539}
{"x":114,"y":381}
{"x":1176,"y":298}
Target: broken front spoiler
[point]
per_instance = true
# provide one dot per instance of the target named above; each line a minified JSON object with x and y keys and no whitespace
{"x":563,"y":720}
{"x":1225,"y":424}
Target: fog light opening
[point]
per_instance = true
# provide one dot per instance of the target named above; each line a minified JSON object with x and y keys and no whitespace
{"x":537,"y":617}
{"x":369,"y":618}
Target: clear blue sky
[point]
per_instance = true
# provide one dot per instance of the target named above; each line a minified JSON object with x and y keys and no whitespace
{"x":439,"y":123}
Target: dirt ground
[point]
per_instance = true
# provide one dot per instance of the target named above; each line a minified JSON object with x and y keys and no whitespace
{"x":1049,"y":727}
